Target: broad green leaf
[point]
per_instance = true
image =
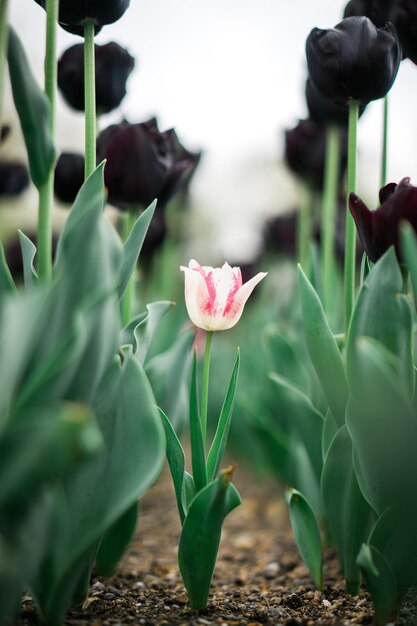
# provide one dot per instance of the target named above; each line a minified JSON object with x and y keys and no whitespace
{"x":28,"y":255}
{"x":380,"y":582}
{"x":284,"y":356}
{"x":323,"y":350}
{"x":384,"y":314}
{"x":409,"y":250}
{"x":198,"y":457}
{"x":305,"y":479}
{"x":329,"y":431}
{"x":222,"y":431}
{"x":276,"y":445}
{"x":176,"y":461}
{"x":348,"y":515}
{"x":116,"y":541}
{"x":200,"y":537}
{"x":306,"y":534}
{"x":133,"y":246}
{"x":34,"y":112}
{"x":6,"y":279}
{"x":140,"y":331}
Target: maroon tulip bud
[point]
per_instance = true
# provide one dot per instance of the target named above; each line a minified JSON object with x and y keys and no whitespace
{"x":113,"y":67}
{"x":379,"y":11}
{"x":378,"y":230}
{"x":69,"y":176}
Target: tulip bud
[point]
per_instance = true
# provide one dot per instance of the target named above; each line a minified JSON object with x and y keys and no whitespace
{"x":380,"y":229}
{"x":405,"y":19}
{"x":305,"y":152}
{"x":143,"y":163}
{"x":14,"y":178}
{"x":113,"y":67}
{"x":353,"y":61}
{"x":324,"y":111}
{"x":73,"y":13}
{"x":69,"y":176}
{"x":379,"y":11}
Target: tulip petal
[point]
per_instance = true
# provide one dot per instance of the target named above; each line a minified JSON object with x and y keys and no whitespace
{"x":196,"y":296}
{"x":232,"y":313}
{"x":364,"y":223}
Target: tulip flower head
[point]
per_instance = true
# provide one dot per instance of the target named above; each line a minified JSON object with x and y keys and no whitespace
{"x":215,"y":297}
{"x":73,"y":13}
{"x":379,"y":11}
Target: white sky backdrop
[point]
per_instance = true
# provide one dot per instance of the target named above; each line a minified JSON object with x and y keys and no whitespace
{"x":229,"y":76}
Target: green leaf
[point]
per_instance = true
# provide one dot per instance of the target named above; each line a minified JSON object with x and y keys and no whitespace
{"x":198,"y":457}
{"x":133,"y":246}
{"x":222,"y":431}
{"x":384,"y":314}
{"x":323,"y":350}
{"x":285,"y":357}
{"x":348,"y":515}
{"x":381,"y":583}
{"x":140,"y":331}
{"x":306,"y":534}
{"x":116,"y":541}
{"x":329,"y":431}
{"x":200,"y":537}
{"x":276,"y":445}
{"x":6,"y":279}
{"x":34,"y":112}
{"x":409,"y":250}
{"x":28,"y":255}
{"x":176,"y":461}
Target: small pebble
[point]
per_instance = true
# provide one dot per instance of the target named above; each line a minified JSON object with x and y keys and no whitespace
{"x":327,"y":604}
{"x":271,"y":570}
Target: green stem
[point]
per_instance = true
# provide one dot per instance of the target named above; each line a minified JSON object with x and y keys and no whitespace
{"x":129,"y":295}
{"x":304,"y":225}
{"x":46,"y":193}
{"x":384,"y":165}
{"x":205,"y":387}
{"x":89,"y":98}
{"x":4,"y":40}
{"x":328,"y":225}
{"x":350,"y":235}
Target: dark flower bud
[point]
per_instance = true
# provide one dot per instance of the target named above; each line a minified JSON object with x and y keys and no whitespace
{"x":4,"y":132}
{"x":113,"y":67}
{"x":405,"y":19}
{"x":14,"y":178}
{"x":73,"y":13}
{"x":355,"y":60}
{"x":324,"y":111}
{"x":143,"y":163}
{"x":69,"y":176}
{"x":379,"y":11}
{"x":155,"y":236}
{"x":378,"y":230}
{"x":280,"y":234}
{"x":305,"y":152}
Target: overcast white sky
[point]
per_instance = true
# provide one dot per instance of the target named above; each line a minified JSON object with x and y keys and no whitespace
{"x":229,"y":75}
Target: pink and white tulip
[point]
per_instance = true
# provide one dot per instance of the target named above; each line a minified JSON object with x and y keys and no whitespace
{"x":215,"y":297}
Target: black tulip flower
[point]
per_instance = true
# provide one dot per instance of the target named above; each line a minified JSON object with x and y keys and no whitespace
{"x":378,"y":230}
{"x":324,"y":111}
{"x":355,"y":60}
{"x":73,"y":13}
{"x":69,"y":176}
{"x":143,"y":163}
{"x":113,"y":67}
{"x":14,"y":178}
{"x":305,"y":152}
{"x":4,"y":132}
{"x":280,"y":234}
{"x":379,"y":11}
{"x":405,"y":20}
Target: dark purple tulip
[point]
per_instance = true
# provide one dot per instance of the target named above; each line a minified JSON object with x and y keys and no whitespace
{"x":14,"y":178}
{"x":69,"y":176}
{"x":143,"y":163}
{"x":4,"y":132}
{"x":405,"y":20}
{"x":73,"y":13}
{"x":378,"y":230}
{"x":305,"y":152}
{"x":113,"y":67}
{"x":324,"y":111}
{"x":354,"y":60}
{"x":379,"y":11}
{"x":280,"y":234}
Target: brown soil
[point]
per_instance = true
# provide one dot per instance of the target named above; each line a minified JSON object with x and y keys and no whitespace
{"x":259,"y":578}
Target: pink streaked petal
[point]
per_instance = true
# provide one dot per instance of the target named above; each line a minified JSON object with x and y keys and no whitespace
{"x":196,"y":296}
{"x":240,"y":298}
{"x":238,"y":275}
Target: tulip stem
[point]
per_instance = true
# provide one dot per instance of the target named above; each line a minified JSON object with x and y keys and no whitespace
{"x":350,"y":235}
{"x":205,"y":387}
{"x":384,"y":165}
{"x":128,"y":299}
{"x":4,"y":39}
{"x":304,"y":225}
{"x":89,"y":98}
{"x":46,"y":192}
{"x":328,"y":225}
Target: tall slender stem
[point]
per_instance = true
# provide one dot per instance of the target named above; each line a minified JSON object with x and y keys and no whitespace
{"x":350,"y":236}
{"x":384,"y":164}
{"x":4,"y":40}
{"x":304,"y":225}
{"x":89,"y":98}
{"x":328,"y":224}
{"x":46,"y":192}
{"x":129,"y":295}
{"x":205,"y":387}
